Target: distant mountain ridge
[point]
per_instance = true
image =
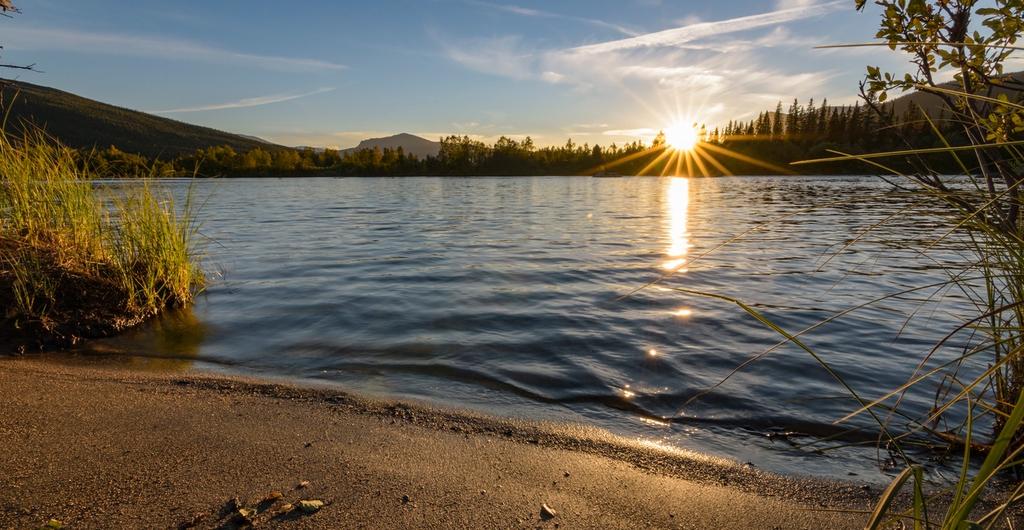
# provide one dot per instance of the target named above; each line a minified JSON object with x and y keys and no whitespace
{"x":85,"y":123}
{"x":932,"y":104}
{"x":410,"y":144}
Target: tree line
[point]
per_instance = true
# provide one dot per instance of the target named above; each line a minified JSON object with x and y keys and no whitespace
{"x":774,"y":139}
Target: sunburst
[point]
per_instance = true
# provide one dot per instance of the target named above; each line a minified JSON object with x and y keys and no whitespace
{"x":682,"y":136}
{"x":686,"y":150}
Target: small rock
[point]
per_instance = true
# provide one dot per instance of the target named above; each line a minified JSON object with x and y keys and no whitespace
{"x":308,"y":444}
{"x":53,"y":523}
{"x":311,"y":506}
{"x":483,"y":492}
{"x":303,"y":484}
{"x":566,"y":474}
{"x":406,"y":499}
{"x":285,"y":508}
{"x":546,"y":512}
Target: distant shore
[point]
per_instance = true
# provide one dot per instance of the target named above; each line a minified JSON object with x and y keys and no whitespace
{"x":94,"y":447}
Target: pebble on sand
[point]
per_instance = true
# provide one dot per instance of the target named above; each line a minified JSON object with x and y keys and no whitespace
{"x":311,"y":506}
{"x":546,"y":512}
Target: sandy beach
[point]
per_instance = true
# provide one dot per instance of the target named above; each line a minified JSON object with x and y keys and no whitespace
{"x":95,"y":447}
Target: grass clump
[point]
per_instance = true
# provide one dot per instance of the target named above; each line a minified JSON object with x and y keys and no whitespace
{"x":79,"y":260}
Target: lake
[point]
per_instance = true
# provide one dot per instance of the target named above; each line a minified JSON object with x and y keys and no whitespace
{"x":507,"y":295}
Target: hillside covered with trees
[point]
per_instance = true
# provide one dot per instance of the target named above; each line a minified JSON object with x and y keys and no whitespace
{"x":767,"y":144}
{"x":119,"y":141}
{"x":84,"y":123}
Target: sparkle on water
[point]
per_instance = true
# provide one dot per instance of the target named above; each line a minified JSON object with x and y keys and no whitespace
{"x":502,"y":295}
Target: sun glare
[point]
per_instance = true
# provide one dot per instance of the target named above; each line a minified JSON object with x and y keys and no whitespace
{"x":682,"y":137}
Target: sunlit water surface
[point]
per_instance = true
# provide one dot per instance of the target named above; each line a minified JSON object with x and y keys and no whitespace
{"x":505,"y":295}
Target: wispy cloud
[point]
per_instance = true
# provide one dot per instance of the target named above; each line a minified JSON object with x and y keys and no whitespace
{"x":689,"y":33}
{"x":244,"y":102}
{"x":71,"y":40}
{"x":718,"y":70}
{"x":537,"y":13}
{"x":640,"y":132}
{"x":637,"y":56}
{"x":499,"y":56}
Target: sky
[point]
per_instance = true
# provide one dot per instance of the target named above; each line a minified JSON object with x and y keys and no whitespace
{"x":332,"y":72}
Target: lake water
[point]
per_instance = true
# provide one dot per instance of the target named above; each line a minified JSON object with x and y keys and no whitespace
{"x":505,"y":295}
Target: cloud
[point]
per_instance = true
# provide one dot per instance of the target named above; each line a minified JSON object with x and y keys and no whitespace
{"x":244,"y":102}
{"x":552,"y":77}
{"x":712,"y":71}
{"x":641,"y":132}
{"x":794,"y":4}
{"x":537,"y":13}
{"x":643,"y":56}
{"x":689,"y":33}
{"x":149,"y":46}
{"x":500,"y":56}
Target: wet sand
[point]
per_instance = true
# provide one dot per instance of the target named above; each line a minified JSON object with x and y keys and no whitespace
{"x":106,"y":448}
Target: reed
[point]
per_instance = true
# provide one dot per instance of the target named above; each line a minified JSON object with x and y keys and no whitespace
{"x":78,"y":259}
{"x":979,"y":404}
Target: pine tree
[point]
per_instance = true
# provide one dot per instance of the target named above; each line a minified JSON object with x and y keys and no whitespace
{"x":777,"y":130}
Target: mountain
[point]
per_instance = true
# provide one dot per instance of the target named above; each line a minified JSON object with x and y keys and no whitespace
{"x":410,"y":143}
{"x":255,"y":138}
{"x":84,"y":123}
{"x":932,"y":104}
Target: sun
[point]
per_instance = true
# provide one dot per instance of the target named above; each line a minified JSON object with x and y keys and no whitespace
{"x":682,"y":137}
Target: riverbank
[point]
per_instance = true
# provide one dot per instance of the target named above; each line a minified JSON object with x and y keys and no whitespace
{"x":102,"y":448}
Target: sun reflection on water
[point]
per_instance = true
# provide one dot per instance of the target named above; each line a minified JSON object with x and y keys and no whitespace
{"x":678,"y":236}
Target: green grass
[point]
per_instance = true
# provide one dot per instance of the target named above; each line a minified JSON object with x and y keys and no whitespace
{"x":79,"y":260}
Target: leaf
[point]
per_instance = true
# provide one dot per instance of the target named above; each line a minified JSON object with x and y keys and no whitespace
{"x":882,"y":507}
{"x":311,"y":506}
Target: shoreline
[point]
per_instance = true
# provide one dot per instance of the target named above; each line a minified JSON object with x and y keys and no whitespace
{"x":100,"y":447}
{"x":299,"y":175}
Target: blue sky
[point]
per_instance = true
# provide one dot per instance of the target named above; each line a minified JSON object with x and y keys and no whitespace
{"x":329,"y":72}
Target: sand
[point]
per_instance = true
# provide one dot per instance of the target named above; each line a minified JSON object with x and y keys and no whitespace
{"x":97,"y":447}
